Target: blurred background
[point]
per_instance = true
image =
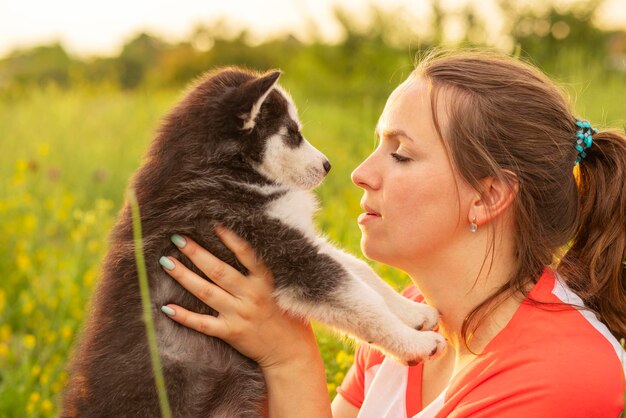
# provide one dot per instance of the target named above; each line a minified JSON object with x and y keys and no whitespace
{"x":83,"y":87}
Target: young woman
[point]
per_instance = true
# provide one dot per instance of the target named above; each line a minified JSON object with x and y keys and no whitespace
{"x":481,"y":178}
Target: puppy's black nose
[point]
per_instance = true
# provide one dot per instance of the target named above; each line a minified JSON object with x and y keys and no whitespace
{"x":327,"y":166}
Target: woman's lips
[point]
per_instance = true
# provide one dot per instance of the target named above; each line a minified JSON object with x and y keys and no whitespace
{"x":369,"y":215}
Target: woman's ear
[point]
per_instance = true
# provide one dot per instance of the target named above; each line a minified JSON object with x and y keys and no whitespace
{"x":496,"y":197}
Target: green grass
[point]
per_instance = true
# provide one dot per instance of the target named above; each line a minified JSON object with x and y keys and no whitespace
{"x":65,"y":161}
{"x":147,"y":306}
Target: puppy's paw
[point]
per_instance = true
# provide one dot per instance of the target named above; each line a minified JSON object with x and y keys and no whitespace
{"x":440,"y":345}
{"x":420,"y":346}
{"x":418,"y":316}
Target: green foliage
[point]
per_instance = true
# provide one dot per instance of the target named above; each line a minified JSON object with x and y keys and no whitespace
{"x":544,"y":35}
{"x":73,"y":131}
{"x":369,"y":54}
{"x":42,"y":65}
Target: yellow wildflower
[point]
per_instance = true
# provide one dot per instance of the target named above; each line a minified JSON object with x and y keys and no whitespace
{"x":89,"y":218}
{"x":34,"y":397}
{"x":30,"y":341}
{"x":21,"y":166}
{"x":22,"y":261}
{"x":47,"y":406}
{"x":5,"y":332}
{"x":66,"y":332}
{"x":344,"y":359}
{"x":4,"y":350}
{"x":43,"y":150}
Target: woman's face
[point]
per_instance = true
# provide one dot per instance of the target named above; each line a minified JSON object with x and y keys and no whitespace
{"x":413,"y":201}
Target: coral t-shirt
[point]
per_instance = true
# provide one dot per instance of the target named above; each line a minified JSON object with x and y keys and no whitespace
{"x":548,"y":361}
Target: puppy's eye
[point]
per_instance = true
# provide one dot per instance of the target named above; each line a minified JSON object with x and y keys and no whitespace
{"x":294,"y":136}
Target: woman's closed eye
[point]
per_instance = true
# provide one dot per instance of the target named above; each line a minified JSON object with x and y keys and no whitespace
{"x":399,"y":158}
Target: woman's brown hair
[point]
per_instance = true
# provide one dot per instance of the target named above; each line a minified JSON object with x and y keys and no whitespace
{"x":507,"y":120}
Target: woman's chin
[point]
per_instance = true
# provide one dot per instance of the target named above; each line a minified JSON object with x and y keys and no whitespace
{"x":372,"y":251}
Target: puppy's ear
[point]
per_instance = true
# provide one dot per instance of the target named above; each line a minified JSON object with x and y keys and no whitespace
{"x":252,"y":95}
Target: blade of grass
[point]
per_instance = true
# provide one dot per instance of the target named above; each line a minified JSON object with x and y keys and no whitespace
{"x":147,"y":306}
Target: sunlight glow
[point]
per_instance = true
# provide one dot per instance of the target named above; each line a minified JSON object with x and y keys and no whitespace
{"x":88,"y":28}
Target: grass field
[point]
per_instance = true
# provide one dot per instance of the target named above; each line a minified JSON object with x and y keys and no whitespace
{"x":66,"y":157}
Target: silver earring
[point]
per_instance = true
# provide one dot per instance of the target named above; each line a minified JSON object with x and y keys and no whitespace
{"x":473,"y":226}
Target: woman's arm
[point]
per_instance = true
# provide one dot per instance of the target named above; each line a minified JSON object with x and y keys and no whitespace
{"x":250,"y":321}
{"x":341,"y":408}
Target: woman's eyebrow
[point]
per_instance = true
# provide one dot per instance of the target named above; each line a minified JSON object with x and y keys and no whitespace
{"x":390,"y":133}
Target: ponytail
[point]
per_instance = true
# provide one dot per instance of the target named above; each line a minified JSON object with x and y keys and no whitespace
{"x":594,"y":265}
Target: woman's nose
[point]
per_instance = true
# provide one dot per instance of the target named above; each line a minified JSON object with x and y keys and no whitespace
{"x":365,"y":176}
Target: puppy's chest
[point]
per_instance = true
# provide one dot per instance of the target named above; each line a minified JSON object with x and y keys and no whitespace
{"x":295,"y":209}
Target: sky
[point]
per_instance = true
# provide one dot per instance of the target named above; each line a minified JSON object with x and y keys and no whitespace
{"x":101,"y":28}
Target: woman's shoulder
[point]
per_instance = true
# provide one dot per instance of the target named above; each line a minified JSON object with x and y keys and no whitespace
{"x":554,"y":321}
{"x":550,"y":353}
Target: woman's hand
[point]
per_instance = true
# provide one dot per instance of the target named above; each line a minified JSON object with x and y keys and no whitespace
{"x":249,"y":318}
{"x":250,"y":321}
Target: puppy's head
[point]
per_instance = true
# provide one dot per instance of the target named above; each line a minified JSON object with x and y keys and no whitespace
{"x":246,"y":121}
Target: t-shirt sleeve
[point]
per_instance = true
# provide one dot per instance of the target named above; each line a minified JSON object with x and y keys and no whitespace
{"x":353,"y":386}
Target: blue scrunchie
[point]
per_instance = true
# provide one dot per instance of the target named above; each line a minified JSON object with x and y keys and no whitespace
{"x":584,"y":138}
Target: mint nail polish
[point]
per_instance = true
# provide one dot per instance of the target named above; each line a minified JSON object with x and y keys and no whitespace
{"x":168,"y":310}
{"x":178,"y":240}
{"x":166,"y":262}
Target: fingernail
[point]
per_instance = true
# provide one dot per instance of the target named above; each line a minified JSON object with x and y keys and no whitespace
{"x":178,"y":240}
{"x":168,"y":310}
{"x":166,"y":262}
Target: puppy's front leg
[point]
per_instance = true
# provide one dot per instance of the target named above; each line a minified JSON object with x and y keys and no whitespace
{"x":357,"y":309}
{"x":416,"y":315}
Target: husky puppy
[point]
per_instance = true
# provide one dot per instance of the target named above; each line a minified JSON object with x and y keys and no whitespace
{"x":230,"y":153}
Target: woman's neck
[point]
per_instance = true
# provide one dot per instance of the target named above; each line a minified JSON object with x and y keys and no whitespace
{"x":456,"y":289}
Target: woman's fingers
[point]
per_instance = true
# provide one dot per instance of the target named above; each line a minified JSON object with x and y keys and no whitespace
{"x":243,"y":251}
{"x":206,"y":324}
{"x":207,"y":292}
{"x":215,"y":269}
